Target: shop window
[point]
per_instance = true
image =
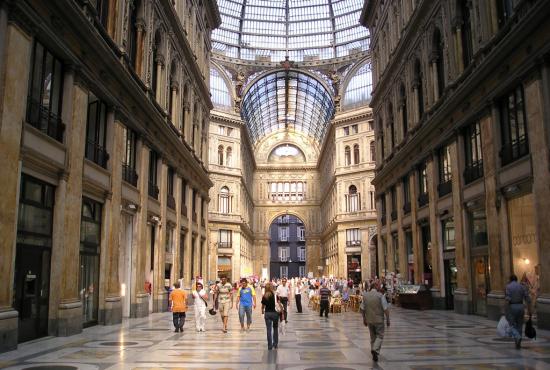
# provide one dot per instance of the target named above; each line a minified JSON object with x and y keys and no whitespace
{"x":283,"y":271}
{"x":513,"y":126}
{"x":448,"y":233}
{"x":129,"y":173}
{"x":36,"y":201}
{"x":46,"y":93}
{"x":473,"y":168}
{"x":169,"y":246}
{"x":395,"y":245}
{"x":445,"y":185}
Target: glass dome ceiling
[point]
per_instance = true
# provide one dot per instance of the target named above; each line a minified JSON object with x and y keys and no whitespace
{"x":303,"y":30}
{"x":287,"y":100}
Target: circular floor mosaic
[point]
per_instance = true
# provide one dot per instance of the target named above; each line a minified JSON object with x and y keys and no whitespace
{"x":104,"y":343}
{"x":54,"y":366}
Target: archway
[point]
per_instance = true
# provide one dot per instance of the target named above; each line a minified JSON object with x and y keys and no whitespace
{"x":287,"y":247}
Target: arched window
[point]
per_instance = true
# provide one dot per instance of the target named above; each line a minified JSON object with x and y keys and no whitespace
{"x":356,"y":154}
{"x":347,"y":156}
{"x":417,"y":83}
{"x":228,"y":156}
{"x":404,"y":112}
{"x":224,"y":200}
{"x":359,"y":88}
{"x":465,"y":31}
{"x":156,"y":64}
{"x":439,"y":62}
{"x":373,"y":151}
{"x":221,"y":97}
{"x":352,"y":199}
{"x":134,"y":38}
{"x":220,"y":155}
{"x":173,"y":93}
{"x":391,"y":125}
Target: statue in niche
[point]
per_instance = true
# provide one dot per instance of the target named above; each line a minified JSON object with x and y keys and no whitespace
{"x":239,"y":83}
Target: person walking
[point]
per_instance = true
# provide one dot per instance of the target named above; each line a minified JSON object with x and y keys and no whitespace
{"x":515,"y":295}
{"x":283,"y":293}
{"x":324,"y":294}
{"x":271,"y":317}
{"x":246,"y":301}
{"x":201,"y":299}
{"x":224,"y":297}
{"x":374,"y":307}
{"x":298,"y":296}
{"x":178,"y":305}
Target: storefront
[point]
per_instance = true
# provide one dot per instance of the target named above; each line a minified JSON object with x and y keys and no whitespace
{"x":33,"y":255}
{"x":449,"y":260}
{"x":354,"y":268}
{"x":90,"y":241}
{"x":224,"y":267}
{"x":410,"y":256}
{"x":479,"y":261}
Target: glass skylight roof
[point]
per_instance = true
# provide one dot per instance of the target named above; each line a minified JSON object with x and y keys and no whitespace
{"x":287,"y":100}
{"x":270,"y":30}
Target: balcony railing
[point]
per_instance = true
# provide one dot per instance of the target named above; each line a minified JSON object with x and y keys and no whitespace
{"x":129,"y":174}
{"x":225,"y":245}
{"x":96,"y":153}
{"x":170,"y":201}
{"x":393,"y":215}
{"x":283,"y":259}
{"x":353,"y":243}
{"x":473,"y":172}
{"x":153,"y":190}
{"x":515,"y":150}
{"x":283,"y":238}
{"x":445,"y":188}
{"x":407,"y":208}
{"x":423,"y":199}
{"x":42,"y":119}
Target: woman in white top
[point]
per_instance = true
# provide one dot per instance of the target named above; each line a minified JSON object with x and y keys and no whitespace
{"x":200,"y":297}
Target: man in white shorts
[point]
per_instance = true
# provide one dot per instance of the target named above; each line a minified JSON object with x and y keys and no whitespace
{"x":225,"y":301}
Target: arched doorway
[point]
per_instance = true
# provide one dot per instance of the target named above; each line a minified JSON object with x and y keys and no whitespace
{"x":287,"y":247}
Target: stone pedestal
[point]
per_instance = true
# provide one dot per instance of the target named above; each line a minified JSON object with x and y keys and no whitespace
{"x":8,"y":329}
{"x":495,"y":304}
{"x":462,"y":301}
{"x":141,"y":307}
{"x":69,"y":319}
{"x":112,"y":313}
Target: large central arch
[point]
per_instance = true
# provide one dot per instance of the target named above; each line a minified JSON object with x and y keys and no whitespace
{"x":287,"y":247}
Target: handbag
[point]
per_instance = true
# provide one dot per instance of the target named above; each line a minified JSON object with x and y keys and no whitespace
{"x":530,"y":331}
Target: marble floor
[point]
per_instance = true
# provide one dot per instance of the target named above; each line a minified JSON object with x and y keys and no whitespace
{"x":428,"y":340}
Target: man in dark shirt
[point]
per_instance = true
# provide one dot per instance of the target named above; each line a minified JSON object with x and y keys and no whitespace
{"x":324,"y":293}
{"x":515,"y":295}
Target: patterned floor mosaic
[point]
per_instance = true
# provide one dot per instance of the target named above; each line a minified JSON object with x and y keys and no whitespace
{"x":428,"y":340}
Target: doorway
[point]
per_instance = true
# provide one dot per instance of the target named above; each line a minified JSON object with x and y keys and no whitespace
{"x":480,"y":283}
{"x":126,"y":262}
{"x":33,"y":258}
{"x":450,"y":282}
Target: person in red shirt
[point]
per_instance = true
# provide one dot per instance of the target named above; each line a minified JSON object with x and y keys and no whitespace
{"x":178,"y":303}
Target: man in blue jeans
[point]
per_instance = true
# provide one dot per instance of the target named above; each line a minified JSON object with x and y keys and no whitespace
{"x":515,"y":295}
{"x":246,"y":301}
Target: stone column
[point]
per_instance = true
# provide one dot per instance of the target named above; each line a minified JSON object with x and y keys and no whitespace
{"x":189,"y":238}
{"x":14,"y":73}
{"x":159,"y":65}
{"x":187,"y":123}
{"x":418,"y":264}
{"x":177,"y":230}
{"x":160,"y":303}
{"x":433,"y":180}
{"x":140,"y":25}
{"x":140,"y":307}
{"x":65,"y":303}
{"x":462,"y":297}
{"x":537,"y":97}
{"x":175,"y":106}
{"x":495,"y":298}
{"x":111,"y":313}
{"x":401,"y":243}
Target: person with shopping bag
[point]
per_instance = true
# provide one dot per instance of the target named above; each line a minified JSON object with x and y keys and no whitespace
{"x":516,"y":294}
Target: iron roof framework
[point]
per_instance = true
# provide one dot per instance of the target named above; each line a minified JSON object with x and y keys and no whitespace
{"x":297,"y":29}
{"x":289,"y":100}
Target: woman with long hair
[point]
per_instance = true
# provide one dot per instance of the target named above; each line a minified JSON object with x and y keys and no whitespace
{"x":271,"y":317}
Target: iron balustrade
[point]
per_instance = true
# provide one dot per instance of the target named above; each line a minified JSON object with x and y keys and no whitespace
{"x":43,"y":119}
{"x":225,"y":245}
{"x":445,"y":188}
{"x":473,"y":172}
{"x":153,"y":190}
{"x":96,"y":153}
{"x":515,"y":150}
{"x":423,"y":199}
{"x":353,"y":243}
{"x":129,"y":174}
{"x":170,"y":201}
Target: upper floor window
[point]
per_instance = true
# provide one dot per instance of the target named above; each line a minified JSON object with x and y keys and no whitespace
{"x":505,"y":9}
{"x":347,"y":155}
{"x":129,"y":157}
{"x":466,"y":31}
{"x":224,"y":200}
{"x":171,"y":202}
{"x":153,"y":167}
{"x":346,"y":130}
{"x":228,"y":156}
{"x":354,"y":129}
{"x":406,"y":195}
{"x":283,"y":233}
{"x":102,"y":9}
{"x":45,"y":93}
{"x":301,"y":233}
{"x":301,"y":257}
{"x":287,"y":191}
{"x":372,"y":151}
{"x":169,"y":247}
{"x":134,"y":34}
{"x":391,"y":125}
{"x":445,"y":175}
{"x":96,"y":131}
{"x":513,"y":126}
{"x":284,"y":255}
{"x":474,"y":158}
{"x":419,"y":87}
{"x":353,"y":237}
{"x":439,"y":61}
{"x":422,"y":184}
{"x":404,"y":113}
{"x":359,"y":88}
{"x":225,"y":238}
{"x":383,"y":209}
{"x":393,"y":198}
{"x":220,"y":155}
{"x":356,"y":154}
{"x":352,"y":199}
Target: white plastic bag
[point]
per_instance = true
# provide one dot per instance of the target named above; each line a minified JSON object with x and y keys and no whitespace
{"x":503,"y":327}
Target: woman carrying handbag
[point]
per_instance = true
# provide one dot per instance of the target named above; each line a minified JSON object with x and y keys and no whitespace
{"x":201,"y":299}
{"x":271,"y":317}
